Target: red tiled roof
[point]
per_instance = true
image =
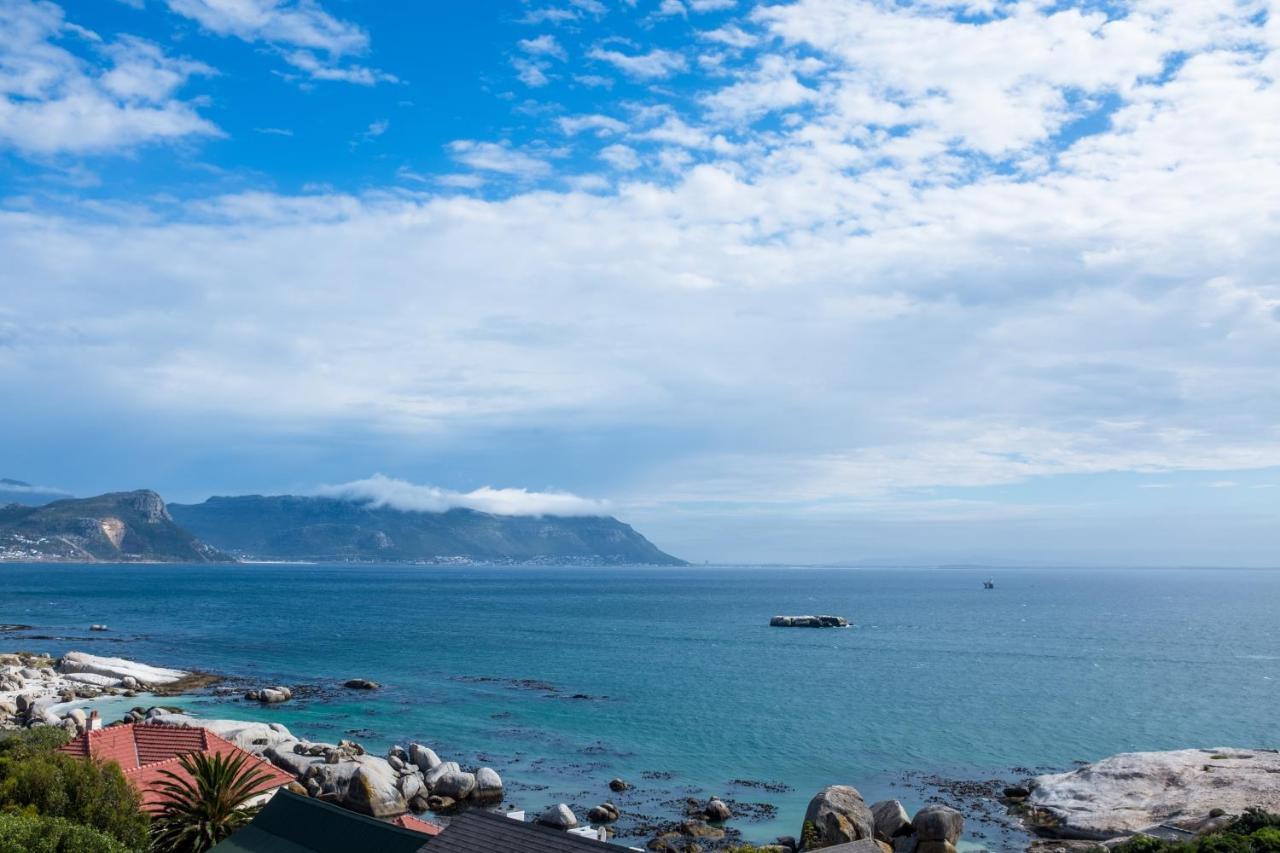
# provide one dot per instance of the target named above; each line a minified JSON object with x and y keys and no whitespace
{"x":143,"y":751}
{"x":408,"y":821}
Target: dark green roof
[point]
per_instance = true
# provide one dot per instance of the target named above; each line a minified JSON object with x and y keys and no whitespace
{"x":291,"y":823}
{"x":478,"y":831}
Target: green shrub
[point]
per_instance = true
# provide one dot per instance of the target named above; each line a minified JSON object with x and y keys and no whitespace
{"x":83,"y":792}
{"x":1224,"y":842}
{"x":1252,"y":820}
{"x":24,"y":743}
{"x":809,"y":837}
{"x":26,"y":833}
{"x":1266,"y":840}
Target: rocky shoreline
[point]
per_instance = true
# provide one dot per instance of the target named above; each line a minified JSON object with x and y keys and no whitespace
{"x":1194,"y":790}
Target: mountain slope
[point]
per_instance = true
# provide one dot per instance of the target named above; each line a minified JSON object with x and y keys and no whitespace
{"x":120,"y":526}
{"x":289,"y":527}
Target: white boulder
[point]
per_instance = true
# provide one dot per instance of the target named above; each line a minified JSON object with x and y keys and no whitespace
{"x":118,"y":668}
{"x":1135,"y":790}
{"x":251,"y":737}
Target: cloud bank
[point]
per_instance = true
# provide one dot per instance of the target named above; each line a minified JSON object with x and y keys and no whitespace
{"x":382,"y":491}
{"x":809,"y":267}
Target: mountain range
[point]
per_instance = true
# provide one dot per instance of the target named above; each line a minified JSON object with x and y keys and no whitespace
{"x":138,"y":526}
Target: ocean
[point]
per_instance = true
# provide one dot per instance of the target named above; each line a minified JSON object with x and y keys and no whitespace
{"x":562,"y":678}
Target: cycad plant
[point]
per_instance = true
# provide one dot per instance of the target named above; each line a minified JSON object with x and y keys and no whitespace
{"x":205,"y":806}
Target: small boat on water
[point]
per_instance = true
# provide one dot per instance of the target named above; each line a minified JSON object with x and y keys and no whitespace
{"x":988,"y":584}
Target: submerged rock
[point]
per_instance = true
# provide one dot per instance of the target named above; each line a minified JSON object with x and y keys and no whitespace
{"x":618,"y":785}
{"x":604,"y":813}
{"x":717,"y":811}
{"x":361,"y":684}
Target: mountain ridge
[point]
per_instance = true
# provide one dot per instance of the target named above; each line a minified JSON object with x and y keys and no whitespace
{"x":113,"y":527}
{"x":323,"y":528}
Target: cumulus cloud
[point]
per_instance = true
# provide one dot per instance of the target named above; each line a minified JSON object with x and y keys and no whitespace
{"x":53,"y":101}
{"x":383,"y":491}
{"x":309,"y":38}
{"x":503,"y":159}
{"x":600,"y":125}
{"x":654,"y":65}
{"x":543,"y":45}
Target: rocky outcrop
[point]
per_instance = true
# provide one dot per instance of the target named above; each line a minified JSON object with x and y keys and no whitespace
{"x":270,"y":695}
{"x":838,"y":814}
{"x":115,"y":670}
{"x":361,"y":684}
{"x":373,"y":788}
{"x":488,"y":786}
{"x":717,"y":811}
{"x":423,"y":757}
{"x":456,"y":784}
{"x":604,"y":813}
{"x":808,"y":622}
{"x":890,"y":820}
{"x":1135,"y":790}
{"x":256,"y":738}
{"x":938,"y":828}
{"x":559,"y":816}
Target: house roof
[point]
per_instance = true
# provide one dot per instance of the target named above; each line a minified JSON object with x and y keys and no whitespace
{"x":478,"y":831}
{"x":408,"y":821}
{"x":146,"y":752}
{"x":292,"y":823}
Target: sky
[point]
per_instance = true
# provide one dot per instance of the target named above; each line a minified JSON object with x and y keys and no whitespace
{"x":809,"y":282}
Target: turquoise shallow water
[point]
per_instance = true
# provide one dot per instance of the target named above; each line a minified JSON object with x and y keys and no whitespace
{"x":685,"y":678}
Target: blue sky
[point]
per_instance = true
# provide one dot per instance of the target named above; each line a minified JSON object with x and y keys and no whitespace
{"x":818,"y":281}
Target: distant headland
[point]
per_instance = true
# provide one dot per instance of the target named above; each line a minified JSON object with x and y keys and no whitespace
{"x":138,"y":526}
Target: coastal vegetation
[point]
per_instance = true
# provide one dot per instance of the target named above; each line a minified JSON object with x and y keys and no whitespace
{"x":54,"y":796}
{"x":207,"y":805}
{"x":1255,"y":831}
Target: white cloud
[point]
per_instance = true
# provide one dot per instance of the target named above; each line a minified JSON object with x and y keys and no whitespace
{"x":912,"y":280}
{"x":620,"y":157}
{"x":730,"y":35}
{"x":654,"y":65}
{"x":317,"y":68}
{"x":309,"y":38}
{"x":531,"y":73}
{"x":543,"y":45}
{"x":300,"y":23}
{"x":52,"y":101}
{"x":600,"y":125}
{"x":491,"y":157}
{"x":382,"y":491}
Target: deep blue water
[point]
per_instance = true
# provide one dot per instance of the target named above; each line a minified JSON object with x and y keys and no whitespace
{"x":937,"y":675}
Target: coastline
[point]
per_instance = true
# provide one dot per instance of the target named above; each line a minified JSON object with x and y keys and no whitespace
{"x":1044,"y":813}
{"x":650,"y":806}
{"x":487,"y":665}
